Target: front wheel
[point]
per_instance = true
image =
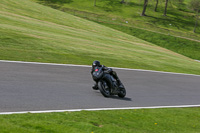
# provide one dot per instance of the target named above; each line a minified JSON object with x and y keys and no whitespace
{"x":122,"y":93}
{"x":104,"y":91}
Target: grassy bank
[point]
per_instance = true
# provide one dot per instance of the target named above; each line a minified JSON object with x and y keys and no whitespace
{"x":180,"y":19}
{"x":179,"y":45}
{"x":167,"y":39}
{"x":172,"y":120}
{"x":33,"y":32}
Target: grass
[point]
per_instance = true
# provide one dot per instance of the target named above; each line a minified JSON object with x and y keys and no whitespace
{"x":179,"y":17}
{"x":33,"y":32}
{"x":172,"y":120}
{"x":182,"y":46}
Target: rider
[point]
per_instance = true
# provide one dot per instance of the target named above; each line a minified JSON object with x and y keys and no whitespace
{"x":107,"y":70}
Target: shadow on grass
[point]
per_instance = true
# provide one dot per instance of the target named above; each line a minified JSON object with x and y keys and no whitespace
{"x":166,"y":21}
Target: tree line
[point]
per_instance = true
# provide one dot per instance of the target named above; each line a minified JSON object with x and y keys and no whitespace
{"x":193,"y":5}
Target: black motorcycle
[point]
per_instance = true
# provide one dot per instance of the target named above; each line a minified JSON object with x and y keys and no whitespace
{"x":107,"y":84}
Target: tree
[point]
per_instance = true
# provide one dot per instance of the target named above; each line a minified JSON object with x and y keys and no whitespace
{"x":195,"y":6}
{"x":94,"y":2}
{"x":144,"y":8}
{"x":165,"y":11}
{"x":156,"y":6}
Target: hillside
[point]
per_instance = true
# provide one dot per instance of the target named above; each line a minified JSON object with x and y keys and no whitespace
{"x":179,"y":20}
{"x":173,"y":32}
{"x":33,"y":32}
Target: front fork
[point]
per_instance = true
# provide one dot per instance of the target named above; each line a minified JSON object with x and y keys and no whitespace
{"x":111,"y":82}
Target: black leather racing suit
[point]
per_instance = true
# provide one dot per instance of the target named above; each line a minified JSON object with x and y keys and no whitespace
{"x":106,"y":70}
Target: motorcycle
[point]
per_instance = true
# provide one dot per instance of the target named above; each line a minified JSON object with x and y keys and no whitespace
{"x":107,"y":84}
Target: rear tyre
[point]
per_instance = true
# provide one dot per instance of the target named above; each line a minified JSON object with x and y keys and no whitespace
{"x":104,"y":91}
{"x":122,"y":92}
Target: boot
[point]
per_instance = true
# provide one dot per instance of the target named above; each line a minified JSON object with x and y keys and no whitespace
{"x":95,"y":86}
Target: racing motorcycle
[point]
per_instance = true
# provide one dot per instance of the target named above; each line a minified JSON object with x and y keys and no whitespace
{"x":107,"y":84}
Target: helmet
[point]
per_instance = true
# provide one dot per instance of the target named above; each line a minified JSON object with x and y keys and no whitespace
{"x":95,"y":63}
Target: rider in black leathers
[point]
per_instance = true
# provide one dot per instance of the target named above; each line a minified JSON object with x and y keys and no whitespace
{"x":106,"y":70}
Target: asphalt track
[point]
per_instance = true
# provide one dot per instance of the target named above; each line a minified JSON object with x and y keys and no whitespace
{"x":40,"y":87}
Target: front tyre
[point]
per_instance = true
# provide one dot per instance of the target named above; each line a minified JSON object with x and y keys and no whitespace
{"x":104,"y":91}
{"x":122,"y":93}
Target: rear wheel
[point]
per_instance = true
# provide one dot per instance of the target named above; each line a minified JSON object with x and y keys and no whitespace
{"x":122,"y":93}
{"x":104,"y":91}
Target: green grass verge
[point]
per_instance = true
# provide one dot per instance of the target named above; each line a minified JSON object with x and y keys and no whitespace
{"x":173,"y":120}
{"x":33,"y":32}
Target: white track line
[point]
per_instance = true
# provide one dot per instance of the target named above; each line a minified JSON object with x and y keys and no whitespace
{"x":40,"y":63}
{"x":98,"y":109}
{"x":55,"y":64}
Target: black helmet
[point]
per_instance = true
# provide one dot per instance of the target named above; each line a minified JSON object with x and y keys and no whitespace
{"x":95,"y":63}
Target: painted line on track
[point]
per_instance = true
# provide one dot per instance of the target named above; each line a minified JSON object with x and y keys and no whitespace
{"x":98,"y":109}
{"x":129,"y":69}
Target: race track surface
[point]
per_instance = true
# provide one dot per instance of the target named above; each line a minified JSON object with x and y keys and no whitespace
{"x":37,"y":87}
